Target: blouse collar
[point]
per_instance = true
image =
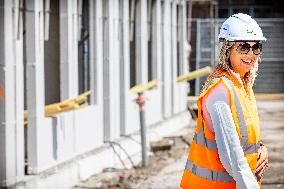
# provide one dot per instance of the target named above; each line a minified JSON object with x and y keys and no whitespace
{"x":237,"y":76}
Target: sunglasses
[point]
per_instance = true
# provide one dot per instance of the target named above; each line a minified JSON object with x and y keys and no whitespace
{"x":244,"y":48}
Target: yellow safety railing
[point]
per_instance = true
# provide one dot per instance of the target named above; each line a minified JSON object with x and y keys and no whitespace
{"x":64,"y":106}
{"x":144,"y":87}
{"x":190,"y":76}
{"x":195,"y":74}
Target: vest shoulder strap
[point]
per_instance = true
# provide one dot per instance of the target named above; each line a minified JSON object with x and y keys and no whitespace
{"x":212,"y":82}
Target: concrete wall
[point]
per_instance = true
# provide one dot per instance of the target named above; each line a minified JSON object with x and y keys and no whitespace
{"x":112,"y":111}
{"x":11,"y":95}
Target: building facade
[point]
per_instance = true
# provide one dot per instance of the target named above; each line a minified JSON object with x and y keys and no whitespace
{"x":53,"y":50}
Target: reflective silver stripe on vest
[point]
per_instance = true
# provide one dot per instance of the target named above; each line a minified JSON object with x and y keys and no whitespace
{"x":247,"y":148}
{"x":211,"y":144}
{"x":205,"y":87}
{"x":242,"y":123}
{"x":208,"y":174}
{"x":251,"y":148}
{"x":201,"y":140}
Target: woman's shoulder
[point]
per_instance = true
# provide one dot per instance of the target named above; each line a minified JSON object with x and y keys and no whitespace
{"x":219,"y":89}
{"x":213,"y":82}
{"x":219,"y":92}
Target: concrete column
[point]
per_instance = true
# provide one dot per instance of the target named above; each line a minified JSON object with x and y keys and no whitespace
{"x":68,"y":49}
{"x":184,"y":55}
{"x":124,"y":64}
{"x":175,"y":62}
{"x":174,"y":25}
{"x":11,"y":95}
{"x":96,"y":51}
{"x":185,"y":65}
{"x":186,"y":49}
{"x":115,"y":69}
{"x":111,"y":70}
{"x":141,"y":42}
{"x":19,"y":91}
{"x":35,"y":83}
{"x":167,"y":57}
{"x":157,"y":41}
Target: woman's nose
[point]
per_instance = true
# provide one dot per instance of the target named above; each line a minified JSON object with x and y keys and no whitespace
{"x":250,"y":52}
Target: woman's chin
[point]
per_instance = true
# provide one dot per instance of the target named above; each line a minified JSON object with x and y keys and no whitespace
{"x":246,"y":68}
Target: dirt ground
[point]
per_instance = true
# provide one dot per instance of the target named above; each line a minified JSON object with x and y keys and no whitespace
{"x":272,"y":134}
{"x":166,"y":167}
{"x":126,"y":179}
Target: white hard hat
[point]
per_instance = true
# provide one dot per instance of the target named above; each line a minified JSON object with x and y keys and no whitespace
{"x":241,"y":27}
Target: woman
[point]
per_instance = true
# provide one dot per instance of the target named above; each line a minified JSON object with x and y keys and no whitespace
{"x":226,"y":151}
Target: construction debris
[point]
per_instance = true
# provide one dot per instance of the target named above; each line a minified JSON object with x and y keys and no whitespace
{"x":116,"y":178}
{"x":164,"y":144}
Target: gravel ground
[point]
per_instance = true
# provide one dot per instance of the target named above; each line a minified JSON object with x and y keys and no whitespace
{"x":272,"y":134}
{"x":166,"y":167}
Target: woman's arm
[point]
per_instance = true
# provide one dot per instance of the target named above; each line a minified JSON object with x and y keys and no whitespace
{"x":230,"y":152}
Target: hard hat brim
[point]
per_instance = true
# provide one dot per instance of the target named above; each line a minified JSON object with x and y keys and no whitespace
{"x":243,"y":39}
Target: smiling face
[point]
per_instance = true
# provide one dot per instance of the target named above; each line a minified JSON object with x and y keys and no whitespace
{"x":243,"y":62}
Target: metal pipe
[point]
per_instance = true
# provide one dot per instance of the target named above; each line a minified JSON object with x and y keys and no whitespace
{"x":139,"y":89}
{"x":145,"y":159}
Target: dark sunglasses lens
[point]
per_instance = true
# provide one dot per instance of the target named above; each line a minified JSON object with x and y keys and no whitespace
{"x":256,"y":48}
{"x":243,"y":48}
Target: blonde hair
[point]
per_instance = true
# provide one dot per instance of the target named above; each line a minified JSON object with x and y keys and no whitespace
{"x":223,"y":63}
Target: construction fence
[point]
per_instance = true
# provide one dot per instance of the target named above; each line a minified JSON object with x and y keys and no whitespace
{"x":271,"y":69}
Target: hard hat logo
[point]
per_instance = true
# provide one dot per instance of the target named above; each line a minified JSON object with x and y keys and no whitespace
{"x":241,"y":27}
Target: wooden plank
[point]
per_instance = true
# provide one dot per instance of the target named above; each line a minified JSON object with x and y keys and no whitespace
{"x":161,"y":145}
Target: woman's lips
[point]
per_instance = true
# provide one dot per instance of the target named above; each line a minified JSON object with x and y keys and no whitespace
{"x":247,"y":61}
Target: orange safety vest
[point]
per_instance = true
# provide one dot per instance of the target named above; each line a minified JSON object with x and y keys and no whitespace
{"x":204,"y":169}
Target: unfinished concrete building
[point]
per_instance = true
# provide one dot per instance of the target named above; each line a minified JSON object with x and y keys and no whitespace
{"x":52,"y":51}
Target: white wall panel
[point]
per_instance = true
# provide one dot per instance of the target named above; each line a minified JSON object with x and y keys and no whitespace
{"x":11,"y":97}
{"x":166,"y":63}
{"x":68,"y":49}
{"x":141,"y":46}
{"x":111,"y":80}
{"x":88,"y":132}
{"x":175,"y":87}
